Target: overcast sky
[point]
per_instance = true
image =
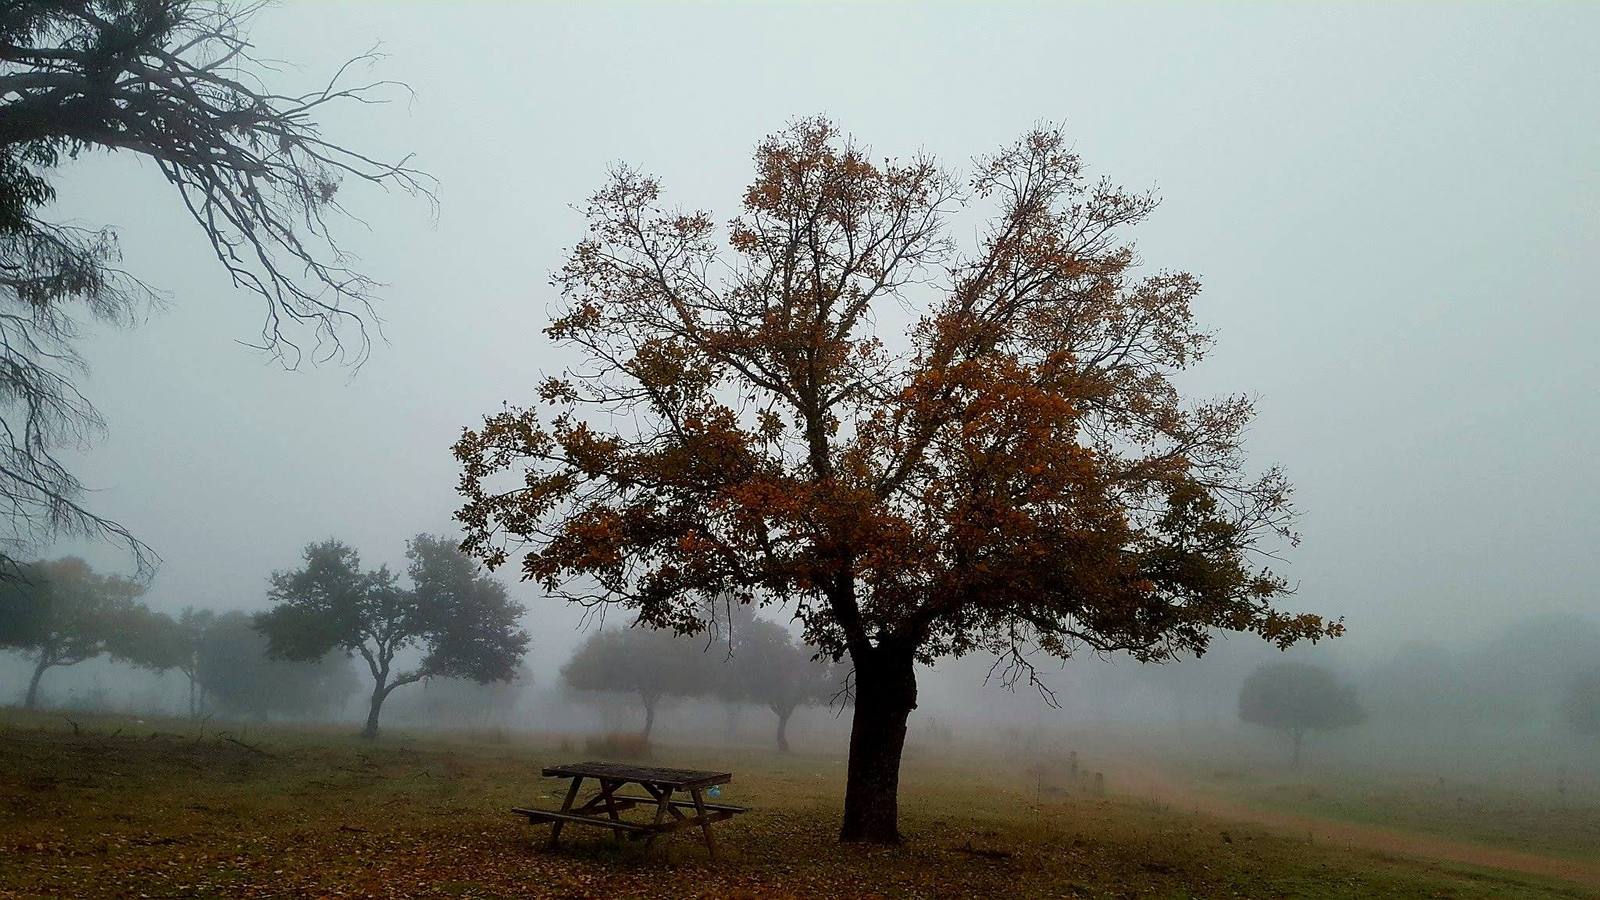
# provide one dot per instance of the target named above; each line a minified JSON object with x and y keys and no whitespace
{"x":1395,"y":211}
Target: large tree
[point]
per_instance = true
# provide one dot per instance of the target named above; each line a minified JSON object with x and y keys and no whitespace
{"x":1012,"y":468}
{"x":62,"y":612}
{"x":1296,"y":697}
{"x":460,"y":620}
{"x":179,"y":83}
{"x":649,"y":664}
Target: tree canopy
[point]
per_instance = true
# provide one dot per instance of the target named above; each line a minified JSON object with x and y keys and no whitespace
{"x":651,"y":664}
{"x":1295,"y":697}
{"x":62,"y":612}
{"x":190,"y":631}
{"x":1014,"y":469}
{"x":462,"y":621}
{"x":177,"y":82}
{"x":767,"y":668}
{"x":233,"y":667}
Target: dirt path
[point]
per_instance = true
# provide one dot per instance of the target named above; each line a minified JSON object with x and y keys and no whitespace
{"x":1360,"y":835}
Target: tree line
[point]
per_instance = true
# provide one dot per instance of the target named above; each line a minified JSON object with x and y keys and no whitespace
{"x":61,"y":613}
{"x":445,"y":620}
{"x":747,"y":660}
{"x":456,"y":621}
{"x":1541,"y":673}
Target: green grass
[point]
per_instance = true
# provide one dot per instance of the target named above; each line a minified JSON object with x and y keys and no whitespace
{"x":162,"y":809}
{"x":1496,"y":815}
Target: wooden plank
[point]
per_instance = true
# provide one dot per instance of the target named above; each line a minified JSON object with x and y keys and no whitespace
{"x":664,"y":802}
{"x":572,"y":794}
{"x":625,"y":802}
{"x":560,"y":818}
{"x":705,"y":823}
{"x":607,"y":789}
{"x":684,"y":821}
{"x":621,"y":804}
{"x":648,"y":801}
{"x":666,"y":777}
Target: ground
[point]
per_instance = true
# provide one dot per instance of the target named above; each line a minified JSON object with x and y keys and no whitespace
{"x":115,"y":806}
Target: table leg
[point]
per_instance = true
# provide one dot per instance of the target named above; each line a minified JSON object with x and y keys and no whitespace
{"x":664,"y":803}
{"x":555,"y":827}
{"x":607,"y":788}
{"x":705,"y":823}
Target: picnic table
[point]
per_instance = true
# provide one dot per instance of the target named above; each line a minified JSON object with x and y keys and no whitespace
{"x":605,"y":808}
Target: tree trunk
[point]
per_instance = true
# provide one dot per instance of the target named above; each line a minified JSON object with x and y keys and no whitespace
{"x":783,"y":728}
{"x":886,"y":693}
{"x":649,"y":716}
{"x":378,"y":695}
{"x":32,"y":699}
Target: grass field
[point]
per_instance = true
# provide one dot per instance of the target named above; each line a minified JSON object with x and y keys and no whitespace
{"x":1558,"y":823}
{"x":162,"y":808}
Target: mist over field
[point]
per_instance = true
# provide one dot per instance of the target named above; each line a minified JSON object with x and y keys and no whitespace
{"x":1392,"y":213}
{"x":1395,"y":258}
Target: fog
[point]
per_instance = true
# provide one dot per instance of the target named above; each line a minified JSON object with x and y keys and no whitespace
{"x":1394,"y":210}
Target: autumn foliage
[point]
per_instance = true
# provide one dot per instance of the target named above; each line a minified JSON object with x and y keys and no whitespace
{"x":922,"y":448}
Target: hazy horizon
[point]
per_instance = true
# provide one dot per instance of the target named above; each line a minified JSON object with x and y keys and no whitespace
{"x":1394,"y":210}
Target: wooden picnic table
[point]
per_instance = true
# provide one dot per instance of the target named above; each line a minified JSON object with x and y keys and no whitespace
{"x":605,"y":808}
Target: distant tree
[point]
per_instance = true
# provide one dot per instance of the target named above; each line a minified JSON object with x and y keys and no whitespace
{"x":62,"y":612}
{"x":1518,"y":675}
{"x":178,"y":83}
{"x":653,"y":665}
{"x":1013,"y":468}
{"x":1581,"y":705}
{"x":462,"y":621}
{"x":1423,"y":684}
{"x":233,"y":669}
{"x":768,"y":668}
{"x":192,"y":626}
{"x":148,"y":639}
{"x":1294,"y":698}
{"x":164,"y":642}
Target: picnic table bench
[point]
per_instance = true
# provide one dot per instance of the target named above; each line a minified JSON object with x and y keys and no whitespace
{"x":605,"y":808}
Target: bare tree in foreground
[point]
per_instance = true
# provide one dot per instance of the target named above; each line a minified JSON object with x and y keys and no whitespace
{"x":179,"y":83}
